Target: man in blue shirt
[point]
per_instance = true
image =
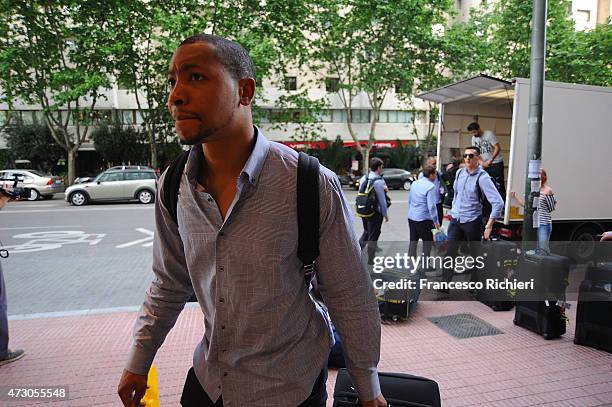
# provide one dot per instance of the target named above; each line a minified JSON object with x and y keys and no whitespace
{"x":372,"y":225}
{"x":422,"y":211}
{"x":471,"y":183}
{"x":439,"y":190}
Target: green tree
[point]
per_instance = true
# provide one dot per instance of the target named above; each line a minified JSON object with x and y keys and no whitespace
{"x":120,"y":145}
{"x":34,"y":143}
{"x":498,"y":43}
{"x":373,"y":47}
{"x":55,"y":54}
{"x":333,"y":155}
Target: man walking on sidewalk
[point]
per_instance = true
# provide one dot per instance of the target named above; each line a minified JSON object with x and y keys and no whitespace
{"x":472,"y":183}
{"x":6,"y":355}
{"x":372,"y":225}
{"x":234,"y":246}
{"x":422,"y":212}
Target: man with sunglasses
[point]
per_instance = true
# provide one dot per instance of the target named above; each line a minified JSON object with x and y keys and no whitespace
{"x":471,"y":182}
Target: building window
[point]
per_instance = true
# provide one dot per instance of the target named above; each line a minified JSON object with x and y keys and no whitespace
{"x":290,"y":83}
{"x":127,"y":117}
{"x":324,"y":116}
{"x":583,"y":15}
{"x":331,"y":84}
{"x":339,"y":116}
{"x":360,"y":116}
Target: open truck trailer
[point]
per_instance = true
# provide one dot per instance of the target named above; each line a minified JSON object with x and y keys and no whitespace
{"x":576,"y":149}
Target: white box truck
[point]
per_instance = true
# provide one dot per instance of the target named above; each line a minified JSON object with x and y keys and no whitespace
{"x":576,"y":148}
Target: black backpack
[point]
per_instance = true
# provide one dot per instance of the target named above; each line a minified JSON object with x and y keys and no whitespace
{"x":307,"y":201}
{"x":365,"y":202}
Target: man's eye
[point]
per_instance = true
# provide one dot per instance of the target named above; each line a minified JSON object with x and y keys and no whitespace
{"x":196,"y":77}
{"x":171,"y":82}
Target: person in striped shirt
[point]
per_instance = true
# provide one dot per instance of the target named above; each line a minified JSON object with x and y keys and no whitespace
{"x":545,"y":206}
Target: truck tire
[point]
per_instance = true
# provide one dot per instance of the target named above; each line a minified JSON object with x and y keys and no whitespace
{"x":585,"y":242}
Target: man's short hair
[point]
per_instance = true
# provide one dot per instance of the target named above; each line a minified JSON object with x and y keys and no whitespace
{"x":231,"y":54}
{"x":426,"y":160}
{"x":473,"y":126}
{"x":375,"y":163}
{"x":428,"y":170}
{"x":475,"y":148}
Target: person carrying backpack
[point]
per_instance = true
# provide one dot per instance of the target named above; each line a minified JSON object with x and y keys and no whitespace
{"x":372,"y":207}
{"x":472,"y":184}
{"x":235,"y":244}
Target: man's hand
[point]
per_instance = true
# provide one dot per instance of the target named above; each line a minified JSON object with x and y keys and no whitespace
{"x":386,"y":219}
{"x":378,"y":402}
{"x":486,"y":164}
{"x":487,"y":232}
{"x":606,"y":236}
{"x":437,"y":227}
{"x":132,"y":388}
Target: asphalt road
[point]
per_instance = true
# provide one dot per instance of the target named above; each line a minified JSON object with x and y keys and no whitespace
{"x":65,"y":259}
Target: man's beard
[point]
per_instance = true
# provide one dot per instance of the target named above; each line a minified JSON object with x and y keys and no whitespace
{"x":206,"y":133}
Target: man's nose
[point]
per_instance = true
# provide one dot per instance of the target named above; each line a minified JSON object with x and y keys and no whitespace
{"x":176,"y":96}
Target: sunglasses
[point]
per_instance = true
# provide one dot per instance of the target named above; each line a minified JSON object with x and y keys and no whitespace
{"x":469,"y":155}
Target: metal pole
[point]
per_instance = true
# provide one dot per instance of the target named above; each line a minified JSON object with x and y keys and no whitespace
{"x":534,"y":147}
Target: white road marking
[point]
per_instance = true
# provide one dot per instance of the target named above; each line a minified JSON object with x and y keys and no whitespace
{"x":42,"y":227}
{"x":41,"y":241}
{"x":75,"y":210}
{"x":147,"y":241}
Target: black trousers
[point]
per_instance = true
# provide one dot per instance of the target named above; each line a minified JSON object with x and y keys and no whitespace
{"x":420,"y":230}
{"x":371,"y":232}
{"x":496,"y":171}
{"x":462,"y":232}
{"x":440,"y":210}
{"x":195,"y":396}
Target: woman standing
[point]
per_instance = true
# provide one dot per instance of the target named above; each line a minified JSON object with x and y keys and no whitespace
{"x":545,"y":205}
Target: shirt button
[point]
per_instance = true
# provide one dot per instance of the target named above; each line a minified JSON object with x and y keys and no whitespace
{"x":218,"y":387}
{"x":222,"y":326}
{"x":253,"y":179}
{"x":221,"y":268}
{"x":221,"y":300}
{"x":225,"y":374}
{"x":221,"y":233}
{"x":209,"y":199}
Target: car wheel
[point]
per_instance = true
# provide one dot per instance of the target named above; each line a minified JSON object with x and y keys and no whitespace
{"x":407,"y":185}
{"x":584,"y":243}
{"x":78,"y":198}
{"x":34,"y":195}
{"x":145,"y":196}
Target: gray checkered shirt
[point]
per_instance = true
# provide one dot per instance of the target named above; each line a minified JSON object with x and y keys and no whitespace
{"x":265,"y":342}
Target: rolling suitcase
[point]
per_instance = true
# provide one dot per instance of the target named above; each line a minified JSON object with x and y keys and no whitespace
{"x":594,"y":311}
{"x":397,"y":304}
{"x":400,"y":390}
{"x":500,"y":261}
{"x":538,"y":309}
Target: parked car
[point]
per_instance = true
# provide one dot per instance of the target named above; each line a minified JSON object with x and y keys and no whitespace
{"x":116,"y":184}
{"x":395,"y":178}
{"x":41,"y":185}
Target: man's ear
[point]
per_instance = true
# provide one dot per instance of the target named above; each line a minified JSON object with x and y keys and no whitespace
{"x":246,"y":88}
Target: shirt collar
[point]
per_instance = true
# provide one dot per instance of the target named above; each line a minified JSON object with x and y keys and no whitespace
{"x":252,"y":168}
{"x":250,"y":171}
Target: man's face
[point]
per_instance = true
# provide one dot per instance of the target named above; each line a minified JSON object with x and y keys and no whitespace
{"x":431,"y":161}
{"x":475,"y":133}
{"x":470,"y":157}
{"x":203,"y":95}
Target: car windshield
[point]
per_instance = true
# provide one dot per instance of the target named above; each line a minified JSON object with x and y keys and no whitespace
{"x":37,"y":173}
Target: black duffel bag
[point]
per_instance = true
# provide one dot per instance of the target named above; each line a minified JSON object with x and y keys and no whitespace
{"x":399,"y":389}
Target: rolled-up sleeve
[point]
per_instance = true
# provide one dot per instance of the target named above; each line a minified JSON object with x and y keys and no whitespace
{"x":494,"y":198}
{"x":379,"y":189}
{"x":347,"y":290}
{"x":167,"y":294}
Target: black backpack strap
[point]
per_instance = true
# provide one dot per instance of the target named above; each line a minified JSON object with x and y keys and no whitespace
{"x":172,"y":182}
{"x":308,"y":213}
{"x":481,"y":197}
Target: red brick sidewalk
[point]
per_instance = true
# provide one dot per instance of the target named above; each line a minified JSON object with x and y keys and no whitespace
{"x":516,"y":368}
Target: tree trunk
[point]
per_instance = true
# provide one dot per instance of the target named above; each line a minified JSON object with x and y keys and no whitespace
{"x":366,"y":160}
{"x":153,"y":146}
{"x":71,"y":165}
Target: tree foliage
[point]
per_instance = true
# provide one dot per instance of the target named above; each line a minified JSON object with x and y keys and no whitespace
{"x":373,"y":47}
{"x":34,"y":143}
{"x":498,"y":42}
{"x":120,"y":145}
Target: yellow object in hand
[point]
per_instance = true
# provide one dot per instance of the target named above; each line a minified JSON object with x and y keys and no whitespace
{"x":151,"y":397}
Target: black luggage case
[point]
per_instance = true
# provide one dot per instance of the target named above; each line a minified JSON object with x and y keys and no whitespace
{"x":396,"y":304}
{"x":594,"y":312}
{"x":537,"y":309}
{"x":400,"y":390}
{"x":500,"y":261}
